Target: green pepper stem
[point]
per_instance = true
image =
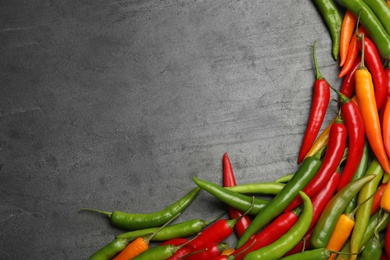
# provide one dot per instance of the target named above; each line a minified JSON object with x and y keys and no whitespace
{"x":107,"y":213}
{"x":318,"y":73}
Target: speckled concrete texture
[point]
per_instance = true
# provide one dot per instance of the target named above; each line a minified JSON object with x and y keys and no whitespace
{"x":115,"y":105}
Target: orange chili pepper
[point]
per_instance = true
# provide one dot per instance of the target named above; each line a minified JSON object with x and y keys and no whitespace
{"x":321,"y":141}
{"x":347,"y":28}
{"x":365,"y":95}
{"x":386,"y":127}
{"x":385,"y":200}
{"x":340,"y":234}
{"x":377,"y":198}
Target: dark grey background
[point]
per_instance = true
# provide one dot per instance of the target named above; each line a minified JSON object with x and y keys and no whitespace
{"x":115,"y":105}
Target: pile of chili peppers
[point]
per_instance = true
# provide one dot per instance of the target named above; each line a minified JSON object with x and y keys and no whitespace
{"x":335,"y":206}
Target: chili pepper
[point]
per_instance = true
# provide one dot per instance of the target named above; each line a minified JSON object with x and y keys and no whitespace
{"x":332,"y":158}
{"x":313,"y":254}
{"x":285,"y":243}
{"x":385,"y":200}
{"x":183,"y":229}
{"x":265,"y":188}
{"x":284,"y":178}
{"x":382,"y":11}
{"x":322,"y":141}
{"x":348,"y":85}
{"x":178,"y":241}
{"x":373,"y":61}
{"x":377,"y":198}
{"x":355,"y":129}
{"x":365,"y":95}
{"x":372,"y":250}
{"x":230,"y":180}
{"x":231,"y":198}
{"x":386,"y":127}
{"x":209,"y":251}
{"x":231,"y":256}
{"x":272,"y":232}
{"x":360,"y":172}
{"x":342,"y":230}
{"x":334,"y":208}
{"x":372,"y":24}
{"x":346,"y":32}
{"x":333,"y":20}
{"x":352,"y":55}
{"x":158,"y":252}
{"x":321,"y":97}
{"x":388,"y":2}
{"x":110,"y":250}
{"x":228,"y":251}
{"x":129,"y":221}
{"x":140,"y":244}
{"x":181,"y":252}
{"x":306,"y":171}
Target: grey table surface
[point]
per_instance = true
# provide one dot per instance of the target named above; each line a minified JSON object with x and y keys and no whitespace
{"x":116,"y":105}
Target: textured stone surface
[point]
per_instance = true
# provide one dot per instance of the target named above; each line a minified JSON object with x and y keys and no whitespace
{"x":115,"y":105}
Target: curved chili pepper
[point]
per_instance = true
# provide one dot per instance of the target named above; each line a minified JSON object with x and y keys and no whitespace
{"x":372,"y":24}
{"x":372,"y":249}
{"x":332,"y":159}
{"x":313,"y":254}
{"x":321,"y":97}
{"x":322,"y":141}
{"x":129,"y":221}
{"x":346,"y":32}
{"x":231,"y":198}
{"x":301,"y":178}
{"x":348,"y":85}
{"x":365,"y":95}
{"x":228,"y":181}
{"x":355,"y":129}
{"x":382,"y":11}
{"x":303,"y":245}
{"x":335,"y":207}
{"x":111,"y":249}
{"x":353,"y":53}
{"x":386,"y":126}
{"x":373,"y":61}
{"x":332,"y":17}
{"x":319,"y":202}
{"x":264,"y":188}
{"x":285,"y":243}
{"x":272,"y":232}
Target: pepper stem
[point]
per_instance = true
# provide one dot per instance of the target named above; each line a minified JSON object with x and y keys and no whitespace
{"x":149,"y":237}
{"x":318,"y":73}
{"x":107,"y":213}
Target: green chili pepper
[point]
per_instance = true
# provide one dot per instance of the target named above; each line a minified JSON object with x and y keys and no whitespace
{"x":382,"y":11}
{"x":286,"y":242}
{"x":335,"y":207}
{"x":265,"y":188}
{"x":372,"y":24}
{"x":333,"y":20}
{"x":363,"y":213}
{"x":111,"y":249}
{"x":314,"y":254}
{"x":161,"y":252}
{"x":184,"y":229}
{"x":360,"y":171}
{"x":285,"y":178}
{"x":130,"y":221}
{"x":234,"y":199}
{"x":372,"y":249}
{"x":279,"y":203}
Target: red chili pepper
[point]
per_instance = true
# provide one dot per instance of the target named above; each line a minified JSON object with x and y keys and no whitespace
{"x":208,"y":251}
{"x":355,"y":128}
{"x":278,"y":227}
{"x":175,"y":241}
{"x":330,"y":163}
{"x":377,"y":198}
{"x":321,"y":97}
{"x":303,"y":245}
{"x":230,"y":180}
{"x":348,"y":85}
{"x":374,"y":64}
{"x":185,"y":250}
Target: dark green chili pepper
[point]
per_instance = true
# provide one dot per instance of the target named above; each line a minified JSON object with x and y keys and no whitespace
{"x":264,"y":188}
{"x":129,"y":221}
{"x":110,"y":250}
{"x":279,"y":203}
{"x":234,"y":199}
{"x":292,"y":237}
{"x":372,"y":24}
{"x":360,"y":172}
{"x":382,"y":11}
{"x":335,"y":207}
{"x":184,"y":229}
{"x":372,"y":249}
{"x":333,"y":20}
